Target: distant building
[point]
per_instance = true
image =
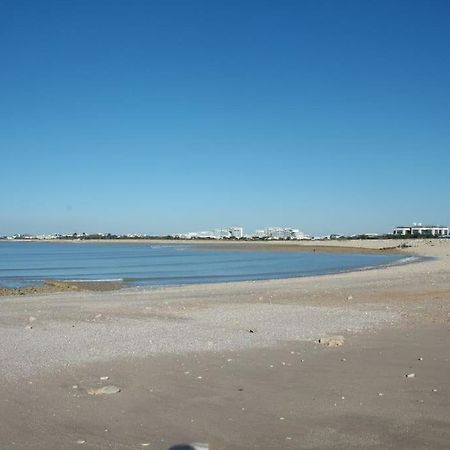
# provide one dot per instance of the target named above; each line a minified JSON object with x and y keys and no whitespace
{"x":276,"y":233}
{"x":227,"y":233}
{"x":417,"y":229}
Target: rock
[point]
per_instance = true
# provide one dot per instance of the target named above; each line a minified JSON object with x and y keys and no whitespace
{"x":104,"y":378}
{"x":105,"y":390}
{"x":81,"y":441}
{"x":350,"y":297}
{"x":251,"y":331}
{"x":332,"y":341}
{"x":410,"y":375}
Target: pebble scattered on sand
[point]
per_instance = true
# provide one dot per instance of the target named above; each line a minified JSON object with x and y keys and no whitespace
{"x":410,"y":375}
{"x":332,"y":341}
{"x":104,"y":378}
{"x":105,"y":390}
{"x":81,"y":441}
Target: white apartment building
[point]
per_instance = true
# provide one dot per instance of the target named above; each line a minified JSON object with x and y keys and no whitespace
{"x":280,"y":233}
{"x":231,"y":232}
{"x":417,"y":229}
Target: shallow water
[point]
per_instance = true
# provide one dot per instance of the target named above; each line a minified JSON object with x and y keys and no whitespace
{"x":143,"y":264}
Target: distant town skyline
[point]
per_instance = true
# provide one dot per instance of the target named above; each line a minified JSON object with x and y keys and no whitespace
{"x":158,"y":117}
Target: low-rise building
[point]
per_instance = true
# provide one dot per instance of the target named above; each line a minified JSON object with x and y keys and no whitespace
{"x":417,"y":229}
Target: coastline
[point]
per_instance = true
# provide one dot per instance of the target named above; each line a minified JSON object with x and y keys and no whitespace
{"x":223,"y":363}
{"x":339,"y":246}
{"x":354,"y":247}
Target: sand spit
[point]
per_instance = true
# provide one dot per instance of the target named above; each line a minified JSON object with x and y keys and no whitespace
{"x":315,"y":362}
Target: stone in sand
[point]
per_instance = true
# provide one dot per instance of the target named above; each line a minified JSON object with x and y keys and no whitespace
{"x":332,"y":341}
{"x":105,"y":390}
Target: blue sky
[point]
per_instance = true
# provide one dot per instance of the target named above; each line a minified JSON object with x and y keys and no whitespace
{"x":169,"y":116}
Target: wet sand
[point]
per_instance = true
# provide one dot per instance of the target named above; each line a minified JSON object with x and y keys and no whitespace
{"x":235,"y":365}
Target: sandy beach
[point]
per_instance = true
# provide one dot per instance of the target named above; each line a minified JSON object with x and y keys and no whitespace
{"x":236,"y":365}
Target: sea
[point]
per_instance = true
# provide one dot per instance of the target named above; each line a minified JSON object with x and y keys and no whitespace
{"x":143,"y":264}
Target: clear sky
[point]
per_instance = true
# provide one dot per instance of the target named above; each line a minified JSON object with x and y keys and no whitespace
{"x":168,"y":116}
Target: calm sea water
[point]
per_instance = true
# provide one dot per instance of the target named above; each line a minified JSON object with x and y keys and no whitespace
{"x":30,"y":263}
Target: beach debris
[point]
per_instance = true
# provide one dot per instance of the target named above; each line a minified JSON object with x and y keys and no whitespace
{"x":251,"y":331}
{"x":81,"y":441}
{"x":105,"y":390}
{"x":104,"y":378}
{"x":349,"y":297}
{"x":199,"y":446}
{"x":331,"y":341}
{"x":410,"y":375}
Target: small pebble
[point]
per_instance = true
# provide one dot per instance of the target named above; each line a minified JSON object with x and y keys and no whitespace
{"x":410,"y":375}
{"x":380,"y":394}
{"x":81,"y":441}
{"x":104,"y":378}
{"x":105,"y":390}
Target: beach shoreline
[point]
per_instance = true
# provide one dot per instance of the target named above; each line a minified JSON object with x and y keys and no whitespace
{"x":62,"y":285}
{"x":237,"y":365}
